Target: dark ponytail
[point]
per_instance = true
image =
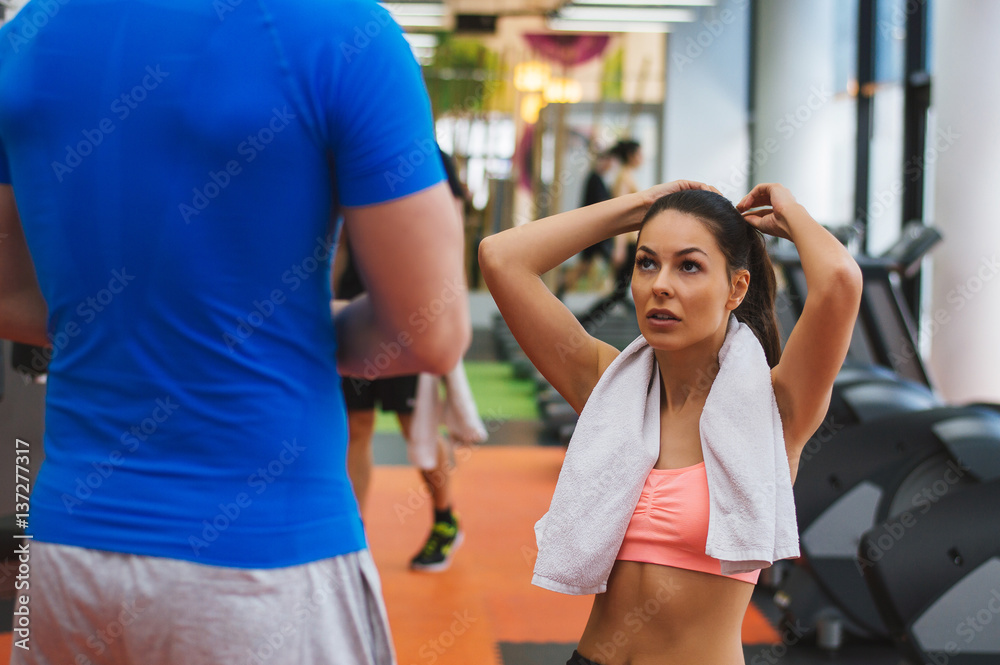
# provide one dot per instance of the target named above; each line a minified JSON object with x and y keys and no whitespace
{"x":744,"y":247}
{"x":757,"y":308}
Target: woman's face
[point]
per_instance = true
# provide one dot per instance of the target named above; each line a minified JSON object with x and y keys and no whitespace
{"x":635,"y":159}
{"x":680,"y":285}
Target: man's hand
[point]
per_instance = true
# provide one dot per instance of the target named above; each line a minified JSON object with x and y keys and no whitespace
{"x":23,"y":311}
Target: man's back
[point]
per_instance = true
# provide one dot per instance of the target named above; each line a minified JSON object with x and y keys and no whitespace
{"x":172,"y":163}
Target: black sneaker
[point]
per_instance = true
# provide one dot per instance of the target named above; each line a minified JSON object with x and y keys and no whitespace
{"x":440,"y":548}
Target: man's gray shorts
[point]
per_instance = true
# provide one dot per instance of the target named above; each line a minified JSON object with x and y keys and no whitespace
{"x":90,"y":607}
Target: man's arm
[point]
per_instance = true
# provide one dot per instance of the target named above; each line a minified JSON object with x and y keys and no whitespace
{"x":415,"y":315}
{"x":23,"y":312}
{"x":406,"y":238}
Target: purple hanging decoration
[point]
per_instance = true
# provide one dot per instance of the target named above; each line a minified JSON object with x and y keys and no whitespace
{"x":569,"y":50}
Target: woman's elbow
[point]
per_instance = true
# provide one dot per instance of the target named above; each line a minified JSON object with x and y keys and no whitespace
{"x":845,"y":285}
{"x":489,"y":256}
{"x":852,"y":279}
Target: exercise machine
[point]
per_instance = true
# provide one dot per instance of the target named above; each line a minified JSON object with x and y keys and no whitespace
{"x":863,"y":475}
{"x":936,"y":581}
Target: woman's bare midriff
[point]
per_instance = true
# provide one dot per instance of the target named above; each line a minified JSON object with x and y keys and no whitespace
{"x":659,"y":615}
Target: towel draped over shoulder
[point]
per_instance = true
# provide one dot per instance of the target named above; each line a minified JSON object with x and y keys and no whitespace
{"x":617,"y":442}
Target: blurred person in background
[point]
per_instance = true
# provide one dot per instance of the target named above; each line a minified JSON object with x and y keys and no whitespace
{"x":398,"y":395}
{"x":595,"y":190}
{"x":628,"y":154}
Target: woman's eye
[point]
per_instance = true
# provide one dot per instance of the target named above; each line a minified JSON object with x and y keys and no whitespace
{"x":644,"y":263}
{"x":690,"y":264}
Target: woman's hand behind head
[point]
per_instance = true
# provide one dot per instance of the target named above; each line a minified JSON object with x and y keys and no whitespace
{"x":657,"y":191}
{"x":765,"y":206}
{"x":767,"y":194}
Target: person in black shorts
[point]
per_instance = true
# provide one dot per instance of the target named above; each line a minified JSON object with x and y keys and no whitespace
{"x":396,"y":394}
{"x":629,"y":154}
{"x":595,"y":191}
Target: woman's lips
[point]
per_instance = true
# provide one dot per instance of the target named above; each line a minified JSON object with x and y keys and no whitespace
{"x":662,"y":322}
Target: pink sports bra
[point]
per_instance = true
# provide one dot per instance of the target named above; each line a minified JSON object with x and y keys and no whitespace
{"x":669,"y":526}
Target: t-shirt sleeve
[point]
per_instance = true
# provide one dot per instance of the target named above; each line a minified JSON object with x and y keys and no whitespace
{"x":4,"y":167}
{"x":381,"y":126}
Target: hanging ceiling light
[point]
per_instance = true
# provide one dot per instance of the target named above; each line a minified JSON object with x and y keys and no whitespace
{"x":563,"y":91}
{"x":608,"y":26}
{"x":531,"y":76}
{"x":604,"y":16}
{"x":633,"y":14}
{"x":648,"y":3}
{"x":417,"y":14}
{"x":421,"y":40}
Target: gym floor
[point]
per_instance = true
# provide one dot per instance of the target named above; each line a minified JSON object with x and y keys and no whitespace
{"x":483,"y":609}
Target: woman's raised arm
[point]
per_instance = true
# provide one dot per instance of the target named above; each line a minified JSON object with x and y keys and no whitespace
{"x":513,"y":262}
{"x":817,"y":345}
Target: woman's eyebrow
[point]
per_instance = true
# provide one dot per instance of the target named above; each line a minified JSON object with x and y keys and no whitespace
{"x":680,"y":252}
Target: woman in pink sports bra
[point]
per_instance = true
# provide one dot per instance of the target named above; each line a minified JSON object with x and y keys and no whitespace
{"x":699,"y":258}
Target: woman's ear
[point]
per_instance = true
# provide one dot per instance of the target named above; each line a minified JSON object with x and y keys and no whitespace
{"x":738,"y":288}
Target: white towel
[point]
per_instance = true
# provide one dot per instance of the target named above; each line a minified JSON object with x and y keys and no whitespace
{"x":426,"y":423}
{"x":458,"y":413}
{"x":617,"y":442}
{"x":461,"y":416}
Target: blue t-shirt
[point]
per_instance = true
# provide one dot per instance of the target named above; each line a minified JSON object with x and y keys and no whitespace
{"x":176,"y":164}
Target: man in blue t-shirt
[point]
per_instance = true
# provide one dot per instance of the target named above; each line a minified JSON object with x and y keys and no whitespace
{"x":177,"y":168}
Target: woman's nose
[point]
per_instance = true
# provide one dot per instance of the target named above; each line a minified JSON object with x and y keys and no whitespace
{"x":661,"y":285}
